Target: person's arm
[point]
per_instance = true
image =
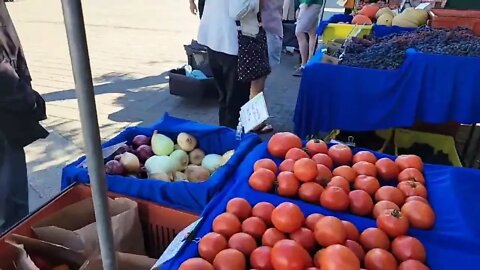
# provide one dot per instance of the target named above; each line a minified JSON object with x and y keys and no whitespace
{"x":193,"y":7}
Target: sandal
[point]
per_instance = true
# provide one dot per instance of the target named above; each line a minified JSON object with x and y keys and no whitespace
{"x":263,"y":129}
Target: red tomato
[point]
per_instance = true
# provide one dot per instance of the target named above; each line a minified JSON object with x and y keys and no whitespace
{"x":338,"y":181}
{"x":368,"y":184}
{"x":226,"y":224}
{"x":264,"y":211}
{"x":334,"y":198}
{"x":365,"y":168}
{"x":287,"y":217}
{"x":272,"y":236}
{"x":288,"y":255}
{"x":409,"y":161}
{"x":287,"y":184}
{"x":412,"y":265}
{"x":330,"y":231}
{"x":305,"y":170}
{"x":419,"y":214}
{"x":389,"y":193}
{"x":339,"y":257}
{"x":304,"y":237}
{"x":196,"y":264}
{"x":242,"y":242}
{"x":240,"y":208}
{"x":262,"y":180}
{"x":287,"y":165}
{"x":281,"y":142}
{"x":296,"y":154}
{"x":230,"y":259}
{"x":316,"y":146}
{"x":356,"y":248}
{"x":254,"y":226}
{"x":260,"y":258}
{"x":323,"y":159}
{"x":411,"y":188}
{"x":312,"y":220}
{"x":360,"y":203}
{"x":210,"y":245}
{"x":374,"y":238}
{"x":387,"y":170}
{"x":324,"y":175}
{"x":310,"y":192}
{"x":381,"y":206}
{"x":340,"y":154}
{"x":408,"y":248}
{"x":346,"y":172}
{"x":417,"y":198}
{"x":411,"y":174}
{"x":380,"y":259}
{"x":393,"y":223}
{"x":351,"y":230}
{"x":364,"y":156}
{"x":265,"y":163}
{"x":317,"y":257}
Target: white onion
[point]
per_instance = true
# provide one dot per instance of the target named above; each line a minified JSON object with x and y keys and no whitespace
{"x":196,"y":156}
{"x":161,"y":144}
{"x":227,"y":156}
{"x":158,"y":164}
{"x":186,"y":141}
{"x":180,"y":158}
{"x":212,"y":162}
{"x":161,"y":176}
{"x":130,"y":162}
{"x":196,"y":173}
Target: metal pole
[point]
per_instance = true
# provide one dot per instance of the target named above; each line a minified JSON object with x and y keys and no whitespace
{"x":77,"y":43}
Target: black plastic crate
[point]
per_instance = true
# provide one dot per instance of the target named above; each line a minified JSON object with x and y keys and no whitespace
{"x":181,"y":85}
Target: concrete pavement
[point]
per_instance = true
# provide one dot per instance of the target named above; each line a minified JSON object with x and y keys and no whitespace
{"x":132,"y":45}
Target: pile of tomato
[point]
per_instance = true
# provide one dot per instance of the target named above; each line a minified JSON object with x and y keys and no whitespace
{"x":265,"y":237}
{"x":338,"y":180}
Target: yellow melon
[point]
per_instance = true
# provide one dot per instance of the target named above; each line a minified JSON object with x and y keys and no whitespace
{"x":385,"y":19}
{"x":384,"y":10}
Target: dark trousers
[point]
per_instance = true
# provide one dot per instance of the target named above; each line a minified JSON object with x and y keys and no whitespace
{"x":233,"y":93}
{"x":201,"y":6}
{"x":13,"y":184}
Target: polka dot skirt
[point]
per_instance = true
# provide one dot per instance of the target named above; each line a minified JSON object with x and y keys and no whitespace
{"x":252,"y":57}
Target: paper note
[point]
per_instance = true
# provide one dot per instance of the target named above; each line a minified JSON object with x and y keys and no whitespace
{"x":254,"y":112}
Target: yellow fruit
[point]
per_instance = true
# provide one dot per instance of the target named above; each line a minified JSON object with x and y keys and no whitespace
{"x":404,"y":20}
{"x":384,"y":10}
{"x":385,"y":19}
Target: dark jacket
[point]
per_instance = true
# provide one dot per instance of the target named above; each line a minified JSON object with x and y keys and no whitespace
{"x":21,"y":108}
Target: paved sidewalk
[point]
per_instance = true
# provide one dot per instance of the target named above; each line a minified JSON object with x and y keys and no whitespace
{"x":132,"y":45}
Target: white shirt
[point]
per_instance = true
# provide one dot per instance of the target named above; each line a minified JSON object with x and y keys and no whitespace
{"x":218,"y":31}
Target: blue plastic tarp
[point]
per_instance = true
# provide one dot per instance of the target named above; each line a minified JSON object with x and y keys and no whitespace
{"x":451,"y":244}
{"x":429,"y":88}
{"x":187,"y":196}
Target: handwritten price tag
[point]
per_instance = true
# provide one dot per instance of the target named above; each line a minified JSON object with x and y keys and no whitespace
{"x":254,"y":112}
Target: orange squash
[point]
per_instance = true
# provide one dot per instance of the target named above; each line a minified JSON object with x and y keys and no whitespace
{"x":370,"y":10}
{"x":361,"y":19}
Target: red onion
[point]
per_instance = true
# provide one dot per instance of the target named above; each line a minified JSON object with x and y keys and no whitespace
{"x":114,"y":167}
{"x":140,"y":140}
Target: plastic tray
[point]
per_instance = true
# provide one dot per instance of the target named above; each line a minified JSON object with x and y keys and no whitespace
{"x":343,"y":30}
{"x":160,"y":224}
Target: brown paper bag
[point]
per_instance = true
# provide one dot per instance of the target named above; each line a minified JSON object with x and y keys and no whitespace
{"x":74,"y":227}
{"x":54,"y":253}
{"x":125,"y":262}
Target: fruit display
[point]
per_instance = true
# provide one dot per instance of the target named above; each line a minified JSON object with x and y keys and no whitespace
{"x":282,"y":237}
{"x":159,"y":157}
{"x":381,"y":14}
{"x":391,"y":191}
{"x":389,"y":52}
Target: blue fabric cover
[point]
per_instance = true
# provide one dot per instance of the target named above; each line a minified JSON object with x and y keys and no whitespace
{"x":452,"y":244}
{"x":383,"y":30}
{"x":430,"y":88}
{"x":187,"y":196}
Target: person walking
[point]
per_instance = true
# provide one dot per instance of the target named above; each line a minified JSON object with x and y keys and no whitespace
{"x":271,"y":21}
{"x":218,"y":32}
{"x":197,"y":9}
{"x":21,"y":109}
{"x":307,"y":22}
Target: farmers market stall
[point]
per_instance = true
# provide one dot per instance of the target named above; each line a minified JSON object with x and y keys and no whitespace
{"x":449,"y":244}
{"x":185,"y":193}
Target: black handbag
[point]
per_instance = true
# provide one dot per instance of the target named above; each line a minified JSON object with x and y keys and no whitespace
{"x":253,"y":60}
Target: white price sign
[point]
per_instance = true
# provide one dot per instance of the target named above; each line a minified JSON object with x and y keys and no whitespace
{"x":176,"y":245}
{"x":254,"y":112}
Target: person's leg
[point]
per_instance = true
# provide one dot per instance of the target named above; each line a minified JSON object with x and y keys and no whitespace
{"x":13,"y":185}
{"x":312,"y":43}
{"x":303,"y":27}
{"x":214,"y":59}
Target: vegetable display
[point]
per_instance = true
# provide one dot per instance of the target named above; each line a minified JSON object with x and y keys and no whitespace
{"x":160,"y":158}
{"x":266,"y":237}
{"x":389,"y":52}
{"x":391,"y":191}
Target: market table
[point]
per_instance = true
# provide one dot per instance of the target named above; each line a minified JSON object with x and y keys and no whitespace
{"x":451,"y":244}
{"x":429,"y":88}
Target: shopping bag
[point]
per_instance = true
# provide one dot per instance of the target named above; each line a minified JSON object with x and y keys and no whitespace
{"x":74,"y":227}
{"x":124,"y":261}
